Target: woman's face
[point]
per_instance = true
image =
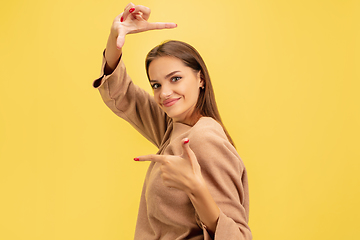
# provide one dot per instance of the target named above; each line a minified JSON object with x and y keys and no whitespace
{"x":176,"y":87}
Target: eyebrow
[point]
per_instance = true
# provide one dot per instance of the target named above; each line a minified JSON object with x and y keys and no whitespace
{"x":167,"y":76}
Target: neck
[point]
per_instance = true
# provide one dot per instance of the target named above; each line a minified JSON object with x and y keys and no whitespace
{"x":190,"y":121}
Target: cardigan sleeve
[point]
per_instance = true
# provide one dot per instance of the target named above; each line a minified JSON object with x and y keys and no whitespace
{"x":132,"y":103}
{"x":226,"y":179}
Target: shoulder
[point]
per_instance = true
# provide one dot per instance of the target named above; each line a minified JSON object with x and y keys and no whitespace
{"x":208,"y":127}
{"x":211,"y":146}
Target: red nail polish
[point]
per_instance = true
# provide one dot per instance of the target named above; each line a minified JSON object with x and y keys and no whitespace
{"x":136,"y":159}
{"x":122,"y":19}
{"x":186,"y":141}
{"x":131,"y":10}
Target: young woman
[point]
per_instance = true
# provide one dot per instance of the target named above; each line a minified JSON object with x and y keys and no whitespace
{"x":196,"y":185}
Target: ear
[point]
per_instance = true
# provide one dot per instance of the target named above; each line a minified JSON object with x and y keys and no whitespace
{"x":201,"y":79}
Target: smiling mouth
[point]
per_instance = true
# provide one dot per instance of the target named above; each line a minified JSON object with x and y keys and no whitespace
{"x":170,"y":102}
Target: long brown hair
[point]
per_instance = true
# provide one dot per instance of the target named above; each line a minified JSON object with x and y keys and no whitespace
{"x":206,"y":104}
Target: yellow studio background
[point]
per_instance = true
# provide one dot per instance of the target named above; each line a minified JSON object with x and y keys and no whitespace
{"x":286,"y":77}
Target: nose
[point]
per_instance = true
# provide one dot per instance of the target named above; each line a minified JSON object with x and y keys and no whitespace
{"x":166,"y":91}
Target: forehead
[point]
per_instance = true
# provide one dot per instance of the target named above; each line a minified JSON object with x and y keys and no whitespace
{"x":162,"y":66}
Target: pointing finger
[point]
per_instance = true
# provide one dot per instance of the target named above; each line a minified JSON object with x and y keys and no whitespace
{"x":151,"y":158}
{"x":161,"y":25}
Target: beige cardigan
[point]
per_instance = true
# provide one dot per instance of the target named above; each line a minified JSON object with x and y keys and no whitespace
{"x":167,"y":213}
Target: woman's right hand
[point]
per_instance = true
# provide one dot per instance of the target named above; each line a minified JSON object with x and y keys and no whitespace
{"x":134,"y":19}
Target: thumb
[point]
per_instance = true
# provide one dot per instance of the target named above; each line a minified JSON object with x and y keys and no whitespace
{"x":120,"y":40}
{"x":187,"y":152}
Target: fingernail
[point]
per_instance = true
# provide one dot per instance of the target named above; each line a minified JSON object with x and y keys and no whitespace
{"x":175,"y":25}
{"x":186,"y":141}
{"x":136,"y":159}
{"x":131,"y":10}
{"x":122,"y":19}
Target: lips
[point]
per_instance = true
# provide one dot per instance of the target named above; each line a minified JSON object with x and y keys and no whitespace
{"x":170,"y":102}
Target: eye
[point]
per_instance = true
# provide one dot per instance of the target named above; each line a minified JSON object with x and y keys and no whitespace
{"x":175,"y":79}
{"x":155,"y":86}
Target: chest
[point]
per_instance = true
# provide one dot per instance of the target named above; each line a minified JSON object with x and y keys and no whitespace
{"x":163,"y":203}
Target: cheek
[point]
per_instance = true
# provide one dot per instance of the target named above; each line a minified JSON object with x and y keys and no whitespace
{"x":189,"y":91}
{"x":193,"y":93}
{"x":157,"y":98}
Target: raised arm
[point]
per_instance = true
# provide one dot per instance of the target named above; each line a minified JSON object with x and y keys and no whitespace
{"x":134,"y":19}
{"x":119,"y":93}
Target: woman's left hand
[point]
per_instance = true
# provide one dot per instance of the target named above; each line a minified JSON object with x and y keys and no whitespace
{"x":182,"y":172}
